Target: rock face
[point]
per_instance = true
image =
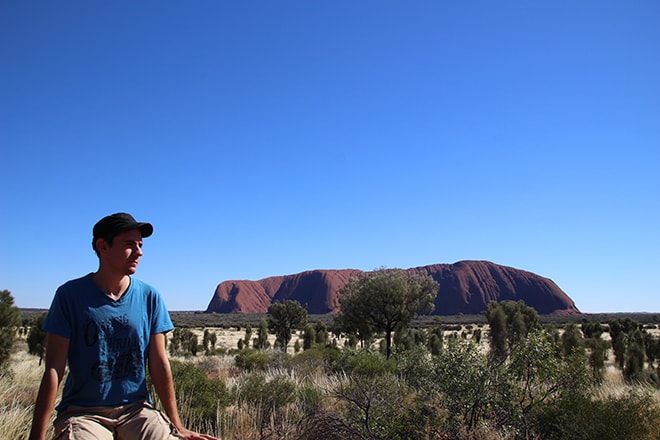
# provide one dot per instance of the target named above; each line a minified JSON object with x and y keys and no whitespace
{"x":465,"y":287}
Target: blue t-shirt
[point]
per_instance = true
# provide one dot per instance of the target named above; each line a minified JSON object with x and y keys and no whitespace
{"x":109,"y":340}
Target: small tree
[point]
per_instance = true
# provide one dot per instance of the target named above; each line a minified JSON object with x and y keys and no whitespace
{"x":597,"y":356}
{"x":592,"y":329}
{"x":309,"y":337}
{"x":321,"y":333}
{"x":509,"y":323}
{"x":634,"y":365}
{"x":652,"y":345}
{"x":572,"y":340}
{"x":284,"y":318}
{"x":192,"y":344}
{"x":209,"y":340}
{"x":213,"y":340}
{"x":10,"y":320}
{"x":36,"y":339}
{"x":261,"y":341}
{"x":539,"y":375}
{"x":184,"y":341}
{"x":175,"y":343}
{"x":384,"y":300}
{"x":620,"y":330}
{"x":248,"y":335}
{"x":436,"y":336}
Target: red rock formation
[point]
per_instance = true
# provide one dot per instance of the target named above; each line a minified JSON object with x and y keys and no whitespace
{"x":465,"y":287}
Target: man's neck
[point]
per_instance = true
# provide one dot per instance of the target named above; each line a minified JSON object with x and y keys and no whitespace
{"x":114,"y":286}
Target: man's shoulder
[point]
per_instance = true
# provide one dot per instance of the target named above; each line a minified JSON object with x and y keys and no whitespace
{"x":84,"y":282}
{"x":143,"y":287}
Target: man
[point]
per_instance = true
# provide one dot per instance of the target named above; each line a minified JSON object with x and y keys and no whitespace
{"x":108,"y":325}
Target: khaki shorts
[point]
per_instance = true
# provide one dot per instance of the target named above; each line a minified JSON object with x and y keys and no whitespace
{"x":132,"y":421}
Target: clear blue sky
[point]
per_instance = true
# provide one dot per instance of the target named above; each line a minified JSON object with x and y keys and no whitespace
{"x":268,"y":138}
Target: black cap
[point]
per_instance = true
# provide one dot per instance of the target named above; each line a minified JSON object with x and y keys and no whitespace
{"x":108,"y":227}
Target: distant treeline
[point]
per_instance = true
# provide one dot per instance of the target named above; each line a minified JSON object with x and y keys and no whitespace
{"x":196,"y":319}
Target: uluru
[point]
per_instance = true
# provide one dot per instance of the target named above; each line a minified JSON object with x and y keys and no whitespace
{"x":466,"y":287}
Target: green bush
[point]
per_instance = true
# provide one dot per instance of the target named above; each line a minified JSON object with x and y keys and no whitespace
{"x":273,"y":394}
{"x":200,"y":399}
{"x":250,"y":359}
{"x":36,"y":338}
{"x":634,"y":415}
{"x":271,"y":398}
{"x":468,"y":384}
{"x":310,"y":398}
{"x":384,"y":407}
{"x":364,"y":362}
{"x":10,"y":321}
{"x":314,"y":361}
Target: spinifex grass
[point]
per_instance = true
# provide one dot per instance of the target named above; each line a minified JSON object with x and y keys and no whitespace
{"x":18,"y":391}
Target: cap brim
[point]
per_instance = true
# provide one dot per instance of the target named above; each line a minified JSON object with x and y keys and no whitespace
{"x":146,"y":229}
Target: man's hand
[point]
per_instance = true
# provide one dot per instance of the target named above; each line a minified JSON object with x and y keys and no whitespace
{"x":190,"y":435}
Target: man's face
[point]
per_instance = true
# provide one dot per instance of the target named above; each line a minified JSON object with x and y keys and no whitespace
{"x":124,"y":254}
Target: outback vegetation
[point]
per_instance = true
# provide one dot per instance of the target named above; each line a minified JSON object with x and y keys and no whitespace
{"x":507,"y":374}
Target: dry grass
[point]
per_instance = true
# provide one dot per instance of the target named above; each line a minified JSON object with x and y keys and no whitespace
{"x":18,"y":391}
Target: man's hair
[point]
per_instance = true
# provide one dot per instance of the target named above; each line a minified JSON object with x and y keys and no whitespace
{"x":108,"y":240}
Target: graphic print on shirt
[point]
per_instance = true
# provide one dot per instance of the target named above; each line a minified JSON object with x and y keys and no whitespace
{"x":119,"y":348}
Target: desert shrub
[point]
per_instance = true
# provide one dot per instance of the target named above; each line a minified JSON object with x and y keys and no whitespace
{"x":634,"y":415}
{"x":416,"y":368}
{"x":435,"y":344}
{"x":314,"y":361}
{"x":407,"y":338}
{"x":375,"y":402}
{"x":592,"y":329}
{"x":476,"y":336}
{"x":538,"y":375}
{"x":474,"y":390}
{"x":351,"y":341}
{"x":509,"y":323}
{"x":310,"y":398}
{"x":382,"y":406}
{"x":10,"y":321}
{"x":183,"y":342}
{"x":321,"y":331}
{"x":257,"y":389}
{"x":652,"y":346}
{"x":309,"y":337}
{"x":462,"y":375}
{"x":572,"y":339}
{"x":620,"y":331}
{"x":633,"y":370}
{"x":597,"y":357}
{"x":251,"y":359}
{"x":261,"y":341}
{"x":200,"y":399}
{"x":363,"y":362}
{"x":36,"y":338}
{"x":269,"y":397}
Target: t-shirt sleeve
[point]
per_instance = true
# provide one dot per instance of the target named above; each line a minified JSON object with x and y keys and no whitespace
{"x":160,"y":320}
{"x":58,"y":319}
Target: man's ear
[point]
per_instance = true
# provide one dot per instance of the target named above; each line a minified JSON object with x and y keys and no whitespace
{"x":101,"y":245}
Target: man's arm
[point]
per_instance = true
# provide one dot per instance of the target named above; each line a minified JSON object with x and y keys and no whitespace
{"x":161,"y":376}
{"x":57,"y":348}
